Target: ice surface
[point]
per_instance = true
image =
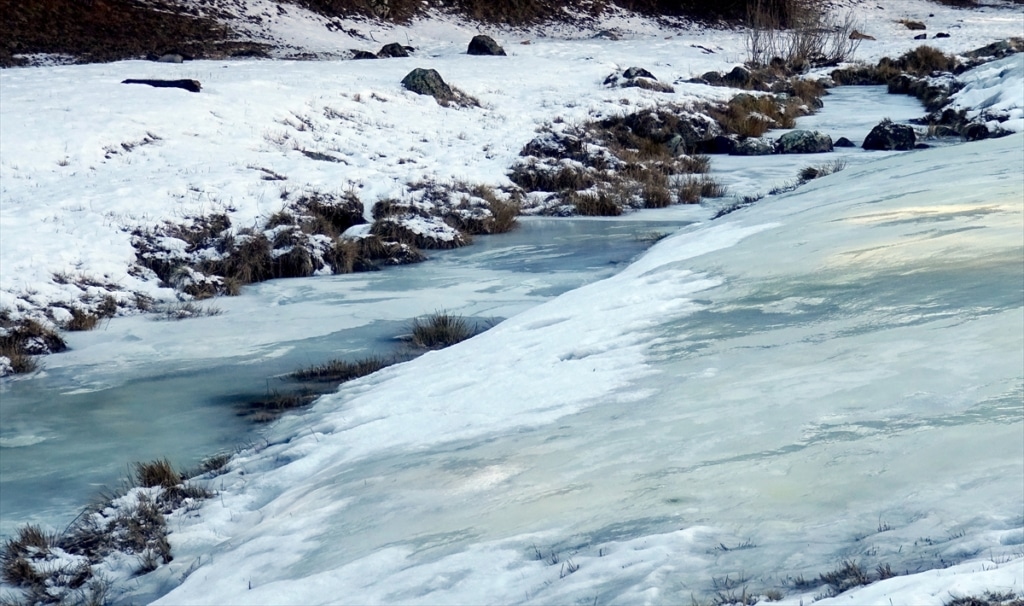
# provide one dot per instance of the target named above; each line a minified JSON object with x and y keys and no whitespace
{"x":814,"y":379}
{"x":138,"y":390}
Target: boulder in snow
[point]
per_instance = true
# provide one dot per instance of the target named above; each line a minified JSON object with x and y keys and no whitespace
{"x":394,"y":50}
{"x":803,"y":142}
{"x":753,"y":146}
{"x":890,"y":136}
{"x":485,"y":45}
{"x":428,"y":82}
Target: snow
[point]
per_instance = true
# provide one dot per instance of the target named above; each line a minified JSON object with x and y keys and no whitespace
{"x":582,"y":426}
{"x":832,"y":374}
{"x":993,"y":91}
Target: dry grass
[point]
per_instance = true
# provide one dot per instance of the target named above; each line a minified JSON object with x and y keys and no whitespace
{"x":340,"y":371}
{"x":81,"y":320}
{"x":814,"y":172}
{"x":440,"y":329}
{"x":156,"y":473}
{"x":595,"y":204}
{"x":693,"y":189}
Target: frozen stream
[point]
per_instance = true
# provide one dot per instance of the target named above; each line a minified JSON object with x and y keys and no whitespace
{"x":138,"y":389}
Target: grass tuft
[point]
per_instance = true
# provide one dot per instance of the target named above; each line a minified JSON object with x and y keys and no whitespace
{"x":156,"y":473}
{"x":340,"y":371}
{"x":440,"y":329}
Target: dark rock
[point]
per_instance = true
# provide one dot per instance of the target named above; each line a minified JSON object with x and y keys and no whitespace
{"x":428,"y":82}
{"x":803,"y":142}
{"x":922,"y":146}
{"x":393,"y":50}
{"x":696,"y":81}
{"x":721,"y":144}
{"x":998,"y":50}
{"x":888,"y":136}
{"x":713,"y":78}
{"x":737,"y":78}
{"x":921,"y":37}
{"x":605,"y":35}
{"x":361,"y":54}
{"x":946,"y":131}
{"x":637,"y":72}
{"x":855,"y":35}
{"x":942,"y":35}
{"x":753,"y":146}
{"x":192,"y":86}
{"x":485,"y":45}
{"x":844,"y":142}
{"x":976,"y":132}
{"x":913,"y":25}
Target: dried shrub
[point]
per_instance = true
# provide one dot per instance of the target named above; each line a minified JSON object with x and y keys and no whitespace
{"x":81,"y":320}
{"x":440,"y":329}
{"x":156,"y":473}
{"x":692,"y":189}
{"x":805,"y":37}
{"x":595,"y":204}
{"x":340,"y":371}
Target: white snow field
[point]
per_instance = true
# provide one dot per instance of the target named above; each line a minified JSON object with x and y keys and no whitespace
{"x":834,"y":374}
{"x":831,"y":375}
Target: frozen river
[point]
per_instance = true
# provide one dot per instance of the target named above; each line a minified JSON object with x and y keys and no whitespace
{"x":137,"y":389}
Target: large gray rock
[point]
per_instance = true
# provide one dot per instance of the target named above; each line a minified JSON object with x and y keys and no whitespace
{"x":393,"y":50}
{"x":803,"y":142}
{"x":485,"y":45}
{"x":753,"y":146}
{"x":428,"y":82}
{"x":888,"y":136}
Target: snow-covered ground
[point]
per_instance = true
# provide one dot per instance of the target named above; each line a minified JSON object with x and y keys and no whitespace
{"x":822,"y":377}
{"x":832,"y":374}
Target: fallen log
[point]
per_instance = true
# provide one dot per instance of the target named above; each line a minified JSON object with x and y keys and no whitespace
{"x":192,"y":86}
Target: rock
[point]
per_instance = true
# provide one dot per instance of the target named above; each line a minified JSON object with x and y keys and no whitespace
{"x":844,"y":142}
{"x":712,"y":78}
{"x":921,"y":37}
{"x":192,"y":86}
{"x":737,"y":78}
{"x":605,"y":34}
{"x":170,"y":58}
{"x":912,"y":25}
{"x":428,"y":82}
{"x":394,"y":50}
{"x":855,"y":35}
{"x":888,"y":136}
{"x":721,"y":144}
{"x":976,"y":132}
{"x":942,"y":35}
{"x":997,"y":49}
{"x":922,"y":146}
{"x":485,"y":45}
{"x":637,"y":72}
{"x":803,"y":142}
{"x":361,"y":54}
{"x":946,"y":131}
{"x":753,"y":146}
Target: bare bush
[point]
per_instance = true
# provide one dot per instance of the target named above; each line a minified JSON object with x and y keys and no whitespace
{"x":813,"y":39}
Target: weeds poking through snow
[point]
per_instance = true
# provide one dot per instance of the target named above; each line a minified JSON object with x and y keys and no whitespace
{"x":186,"y":309}
{"x":814,"y":172}
{"x":52,"y":568}
{"x":440,"y":329}
{"x":340,"y":371}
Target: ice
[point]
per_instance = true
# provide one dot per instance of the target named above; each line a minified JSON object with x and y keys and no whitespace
{"x":812,"y":380}
{"x":138,"y":389}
